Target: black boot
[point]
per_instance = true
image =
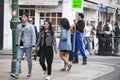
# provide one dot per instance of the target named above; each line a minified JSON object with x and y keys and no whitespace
{"x":75,"y":60}
{"x":84,"y":61}
{"x":70,"y":56}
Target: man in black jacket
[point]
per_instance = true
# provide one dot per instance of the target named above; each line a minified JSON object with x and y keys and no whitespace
{"x":78,"y":43}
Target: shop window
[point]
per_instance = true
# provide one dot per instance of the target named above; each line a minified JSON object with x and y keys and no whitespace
{"x":54,"y":17}
{"x":41,"y":14}
{"x":47,"y":19}
{"x":47,"y":14}
{"x":53,"y":21}
{"x":21,"y":12}
{"x":27,"y":11}
{"x":58,"y":21}
{"x":41,"y":22}
{"x":31,"y":12}
{"x":53,"y":14}
{"x":59,"y":14}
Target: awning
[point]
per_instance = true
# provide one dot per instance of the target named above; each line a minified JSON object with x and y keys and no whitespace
{"x":111,"y":10}
{"x":91,"y":5}
{"x":38,"y":2}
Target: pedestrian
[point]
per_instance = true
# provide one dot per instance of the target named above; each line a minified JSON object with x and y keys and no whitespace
{"x":99,"y":28}
{"x":31,"y":21}
{"x":87,"y":35}
{"x":79,"y":44}
{"x":45,"y":42}
{"x":107,"y":26}
{"x":117,"y":29}
{"x":65,"y":43}
{"x":117,"y":33}
{"x":25,"y":43}
{"x":92,"y":36}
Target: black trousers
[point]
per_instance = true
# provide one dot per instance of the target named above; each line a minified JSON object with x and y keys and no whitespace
{"x":46,"y":53}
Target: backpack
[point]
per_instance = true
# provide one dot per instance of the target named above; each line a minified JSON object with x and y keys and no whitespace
{"x":106,"y":27}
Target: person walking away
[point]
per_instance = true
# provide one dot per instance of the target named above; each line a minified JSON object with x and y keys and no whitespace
{"x":45,"y":43}
{"x":117,"y":33}
{"x":31,"y":21}
{"x":65,"y":43}
{"x":25,"y":43}
{"x":93,"y":36}
{"x":79,"y":44}
{"x":87,"y":34}
{"x":107,"y":26}
{"x":99,"y":28}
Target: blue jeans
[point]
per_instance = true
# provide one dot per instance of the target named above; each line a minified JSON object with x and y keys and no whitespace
{"x":20,"y":53}
{"x":79,"y":44}
{"x":87,"y":46}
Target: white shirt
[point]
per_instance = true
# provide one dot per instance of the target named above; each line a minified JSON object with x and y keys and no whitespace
{"x":110,"y":26}
{"x":87,"y":30}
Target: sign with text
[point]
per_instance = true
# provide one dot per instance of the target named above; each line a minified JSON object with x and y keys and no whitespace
{"x":77,"y":5}
{"x":102,"y":9}
{"x":38,"y":2}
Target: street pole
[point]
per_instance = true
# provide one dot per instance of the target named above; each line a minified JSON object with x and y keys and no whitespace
{"x":13,"y":24}
{"x":106,"y":13}
{"x":116,"y":15}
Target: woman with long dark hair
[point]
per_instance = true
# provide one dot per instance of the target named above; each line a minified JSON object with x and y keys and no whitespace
{"x":45,"y":42}
{"x":99,"y":28}
{"x":65,"y":43}
{"x":117,"y":33}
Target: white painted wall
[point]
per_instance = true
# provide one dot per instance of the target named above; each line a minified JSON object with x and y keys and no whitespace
{"x":67,"y":11}
{"x":37,"y":18}
{"x":7,"y":44}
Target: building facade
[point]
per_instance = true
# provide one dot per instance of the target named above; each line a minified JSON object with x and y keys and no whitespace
{"x":54,"y":10}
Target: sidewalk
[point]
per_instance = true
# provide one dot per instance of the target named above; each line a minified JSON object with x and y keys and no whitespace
{"x":5,"y":52}
{"x":78,"y":71}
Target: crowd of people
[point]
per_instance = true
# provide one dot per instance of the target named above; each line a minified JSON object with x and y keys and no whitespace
{"x":43,"y":44}
{"x":114,"y":30}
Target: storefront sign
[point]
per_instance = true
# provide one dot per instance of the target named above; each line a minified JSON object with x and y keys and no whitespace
{"x":91,"y":5}
{"x":102,"y":9}
{"x":77,"y":5}
{"x":96,"y":1}
{"x":38,"y":2}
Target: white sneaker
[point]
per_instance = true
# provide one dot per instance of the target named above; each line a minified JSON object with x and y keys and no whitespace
{"x":48,"y":77}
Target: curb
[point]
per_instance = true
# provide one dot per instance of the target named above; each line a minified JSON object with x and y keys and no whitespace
{"x":5,"y":52}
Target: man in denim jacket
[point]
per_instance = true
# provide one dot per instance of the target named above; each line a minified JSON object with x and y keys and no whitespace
{"x":25,"y":43}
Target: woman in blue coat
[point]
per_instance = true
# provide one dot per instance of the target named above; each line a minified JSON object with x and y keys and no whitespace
{"x":65,"y":43}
